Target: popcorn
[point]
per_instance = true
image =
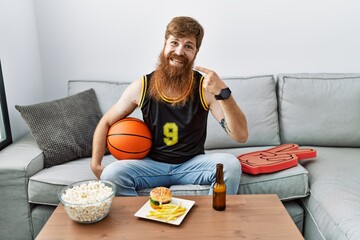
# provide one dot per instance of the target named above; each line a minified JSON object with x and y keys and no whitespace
{"x":85,"y":202}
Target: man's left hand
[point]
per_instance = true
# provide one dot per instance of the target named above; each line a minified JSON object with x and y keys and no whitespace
{"x":212,"y":82}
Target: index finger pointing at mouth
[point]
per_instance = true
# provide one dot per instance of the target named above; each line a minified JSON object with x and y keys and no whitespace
{"x":201,"y":69}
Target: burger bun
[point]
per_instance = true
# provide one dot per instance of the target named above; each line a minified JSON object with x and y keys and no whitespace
{"x":160,"y":196}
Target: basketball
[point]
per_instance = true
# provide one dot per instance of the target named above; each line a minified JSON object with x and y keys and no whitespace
{"x":129,"y":138}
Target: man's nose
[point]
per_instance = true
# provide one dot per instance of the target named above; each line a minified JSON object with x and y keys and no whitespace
{"x":180,"y":50}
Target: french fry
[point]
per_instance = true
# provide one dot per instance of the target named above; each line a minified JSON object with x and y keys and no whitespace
{"x":168,"y":212}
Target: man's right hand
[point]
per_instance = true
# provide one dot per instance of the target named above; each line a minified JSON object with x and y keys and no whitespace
{"x":121,"y":109}
{"x":97,"y":170}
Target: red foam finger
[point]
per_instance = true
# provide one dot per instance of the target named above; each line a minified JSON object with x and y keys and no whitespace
{"x":274,"y":159}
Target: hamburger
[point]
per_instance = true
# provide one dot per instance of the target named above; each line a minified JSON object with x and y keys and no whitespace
{"x":160,"y":196}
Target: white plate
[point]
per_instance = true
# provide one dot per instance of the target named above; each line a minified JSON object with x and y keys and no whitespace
{"x":144,"y":210}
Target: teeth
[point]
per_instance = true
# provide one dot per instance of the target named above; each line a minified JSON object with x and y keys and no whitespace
{"x":178,"y":61}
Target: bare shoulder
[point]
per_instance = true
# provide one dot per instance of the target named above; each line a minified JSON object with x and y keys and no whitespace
{"x":134,"y":90}
{"x":126,"y":104}
{"x":136,"y":84}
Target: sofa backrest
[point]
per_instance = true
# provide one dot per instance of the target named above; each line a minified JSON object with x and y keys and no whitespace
{"x":255,"y":95}
{"x":319,"y":109}
{"x":306,"y":109}
{"x":107,"y":92}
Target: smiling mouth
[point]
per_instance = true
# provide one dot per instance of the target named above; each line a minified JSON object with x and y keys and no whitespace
{"x":176,"y":61}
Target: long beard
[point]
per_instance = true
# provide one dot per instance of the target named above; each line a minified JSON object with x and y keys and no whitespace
{"x":173,"y":79}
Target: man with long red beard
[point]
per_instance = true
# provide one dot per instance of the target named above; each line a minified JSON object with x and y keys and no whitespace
{"x":175,"y":101}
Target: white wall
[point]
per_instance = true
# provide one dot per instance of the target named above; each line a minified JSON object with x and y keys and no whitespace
{"x":20,"y":59}
{"x":121,"y":40}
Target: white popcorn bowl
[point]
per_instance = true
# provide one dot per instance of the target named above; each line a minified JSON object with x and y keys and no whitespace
{"x":88,"y":212}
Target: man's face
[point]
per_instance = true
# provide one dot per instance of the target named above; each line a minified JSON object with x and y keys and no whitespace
{"x":174,"y":71}
{"x":180,"y":51}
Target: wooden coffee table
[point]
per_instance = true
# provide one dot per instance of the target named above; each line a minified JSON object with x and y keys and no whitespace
{"x":245,"y":217}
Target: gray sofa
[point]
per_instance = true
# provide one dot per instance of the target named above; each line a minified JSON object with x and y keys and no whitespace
{"x":322,"y":195}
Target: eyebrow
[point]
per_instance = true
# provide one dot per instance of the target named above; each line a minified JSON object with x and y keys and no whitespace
{"x":187,"y":42}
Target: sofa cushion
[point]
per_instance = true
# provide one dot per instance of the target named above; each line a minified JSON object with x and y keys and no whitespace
{"x":256,"y":96}
{"x":320,"y":109}
{"x":334,"y":202}
{"x":45,"y":185}
{"x":288,"y":184}
{"x":63,"y":128}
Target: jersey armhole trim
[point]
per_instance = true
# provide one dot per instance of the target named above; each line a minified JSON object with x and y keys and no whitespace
{"x":144,"y":83}
{"x":202,"y":94}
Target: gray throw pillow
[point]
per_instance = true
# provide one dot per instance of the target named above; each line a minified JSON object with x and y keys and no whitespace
{"x":64,"y":128}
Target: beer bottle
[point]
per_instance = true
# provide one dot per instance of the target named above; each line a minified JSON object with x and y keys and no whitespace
{"x":219,"y":189}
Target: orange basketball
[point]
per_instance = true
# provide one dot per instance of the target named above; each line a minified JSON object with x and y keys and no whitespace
{"x":129,"y":138}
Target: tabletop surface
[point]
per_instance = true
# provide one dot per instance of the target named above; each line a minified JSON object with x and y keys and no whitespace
{"x":245,"y":217}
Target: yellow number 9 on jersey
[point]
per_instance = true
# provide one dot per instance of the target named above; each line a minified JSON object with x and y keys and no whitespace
{"x":171,"y":136}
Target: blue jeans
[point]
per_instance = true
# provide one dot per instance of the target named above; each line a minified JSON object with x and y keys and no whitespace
{"x":132,"y":175}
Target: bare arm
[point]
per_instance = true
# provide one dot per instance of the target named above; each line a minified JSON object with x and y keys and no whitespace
{"x":226,"y":112}
{"x":127,"y":103}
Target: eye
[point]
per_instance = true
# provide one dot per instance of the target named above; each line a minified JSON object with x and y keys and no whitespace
{"x":189,"y":47}
{"x":174,"y":43}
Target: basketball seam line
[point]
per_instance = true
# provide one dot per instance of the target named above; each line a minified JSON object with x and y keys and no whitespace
{"x":130,"y":152}
{"x":128,"y":134}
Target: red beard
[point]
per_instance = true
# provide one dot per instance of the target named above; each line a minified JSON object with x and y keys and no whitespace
{"x":177,"y":80}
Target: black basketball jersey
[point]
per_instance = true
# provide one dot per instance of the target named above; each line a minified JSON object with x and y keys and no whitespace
{"x":178,"y":132}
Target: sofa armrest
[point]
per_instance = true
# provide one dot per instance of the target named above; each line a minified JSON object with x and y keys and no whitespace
{"x":18,"y":162}
{"x":23,"y":155}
